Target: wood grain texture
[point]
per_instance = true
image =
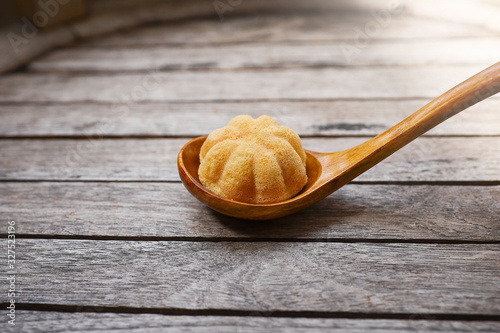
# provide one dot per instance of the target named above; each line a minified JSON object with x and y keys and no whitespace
{"x":426,"y":159}
{"x":44,"y":321}
{"x":335,"y":118}
{"x":331,"y":83}
{"x":370,"y":212}
{"x":291,"y":27}
{"x":229,"y":57}
{"x":261,"y":276}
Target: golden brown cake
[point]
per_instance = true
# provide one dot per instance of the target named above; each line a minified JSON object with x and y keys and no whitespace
{"x":253,"y":161}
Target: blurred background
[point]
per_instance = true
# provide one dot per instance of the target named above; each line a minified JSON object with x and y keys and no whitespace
{"x":47,"y":24}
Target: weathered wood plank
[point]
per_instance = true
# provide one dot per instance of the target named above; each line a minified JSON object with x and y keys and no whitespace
{"x":445,"y":52}
{"x":261,"y":276}
{"x":334,"y":25}
{"x":371,"y":212}
{"x":331,"y":83}
{"x":426,"y":159}
{"x":45,"y":321}
{"x":306,"y":118}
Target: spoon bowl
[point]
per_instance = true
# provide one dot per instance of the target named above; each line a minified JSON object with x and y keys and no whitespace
{"x":327,"y":172}
{"x":189,"y":162}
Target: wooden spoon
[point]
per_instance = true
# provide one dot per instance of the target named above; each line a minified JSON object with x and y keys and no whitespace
{"x":327,"y":172}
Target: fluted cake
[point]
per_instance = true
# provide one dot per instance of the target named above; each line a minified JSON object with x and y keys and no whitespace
{"x":253,"y":161}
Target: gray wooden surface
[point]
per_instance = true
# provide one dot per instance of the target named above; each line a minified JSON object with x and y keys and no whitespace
{"x":36,"y":321}
{"x":318,"y":118}
{"x":108,"y":239}
{"x":426,"y":213}
{"x":262,"y":276}
{"x":267,"y":55}
{"x":291,"y":84}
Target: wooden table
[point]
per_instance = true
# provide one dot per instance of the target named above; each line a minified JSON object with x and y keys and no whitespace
{"x":107,"y":238}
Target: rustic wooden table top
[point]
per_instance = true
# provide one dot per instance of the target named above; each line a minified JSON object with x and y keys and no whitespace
{"x":107,"y":237}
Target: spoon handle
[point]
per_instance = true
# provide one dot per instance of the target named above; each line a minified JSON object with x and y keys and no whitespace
{"x":473,"y":90}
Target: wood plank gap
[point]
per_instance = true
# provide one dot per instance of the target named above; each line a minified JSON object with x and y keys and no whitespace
{"x":246,"y":313}
{"x":432,"y":183}
{"x":269,"y":68}
{"x":222,"y":101}
{"x":99,"y":137}
{"x":266,"y":100}
{"x":87,"y":181}
{"x":188,"y":136}
{"x":183,"y":102}
{"x":243,"y":68}
{"x":298,"y":42}
{"x":355,"y":182}
{"x":256,"y":239}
